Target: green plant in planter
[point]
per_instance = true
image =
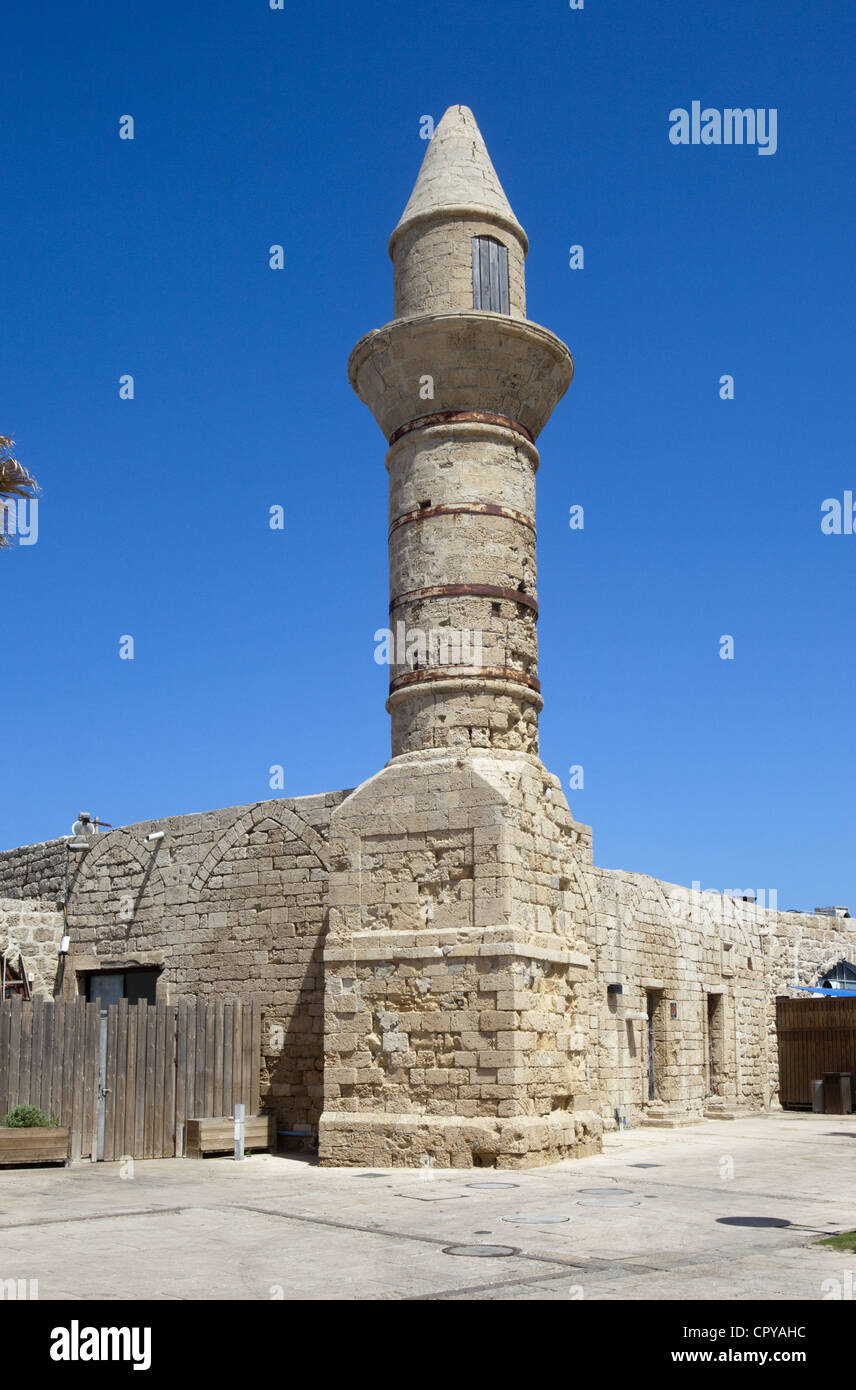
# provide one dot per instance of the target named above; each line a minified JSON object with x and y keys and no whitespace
{"x":27,"y":1117}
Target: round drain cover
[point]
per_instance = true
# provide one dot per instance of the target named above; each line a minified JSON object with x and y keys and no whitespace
{"x":493,"y":1184}
{"x":610,"y":1201}
{"x":607,"y":1191}
{"x":536,"y":1218}
{"x":481,"y":1252}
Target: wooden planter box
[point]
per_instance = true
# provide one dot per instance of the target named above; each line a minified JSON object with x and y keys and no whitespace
{"x":36,"y":1145}
{"x":217,"y":1135}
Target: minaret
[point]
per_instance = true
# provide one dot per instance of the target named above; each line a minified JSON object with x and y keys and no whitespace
{"x":453,"y":1035}
{"x":461,"y":385}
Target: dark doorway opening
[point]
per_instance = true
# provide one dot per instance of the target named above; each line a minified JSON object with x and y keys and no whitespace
{"x":715,"y":1033}
{"x":109,"y":986}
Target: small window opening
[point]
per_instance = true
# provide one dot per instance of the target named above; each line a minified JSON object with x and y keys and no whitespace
{"x":490,"y":275}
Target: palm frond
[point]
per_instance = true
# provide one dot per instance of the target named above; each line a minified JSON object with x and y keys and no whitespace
{"x":15,"y":480}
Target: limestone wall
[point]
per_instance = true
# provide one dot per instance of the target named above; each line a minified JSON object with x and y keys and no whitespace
{"x":709,"y":968}
{"x":34,"y":871}
{"x":32,"y":929}
{"x":229,"y":902}
{"x":434,"y":266}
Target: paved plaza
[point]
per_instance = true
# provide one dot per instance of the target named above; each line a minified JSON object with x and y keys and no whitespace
{"x":722,"y":1210}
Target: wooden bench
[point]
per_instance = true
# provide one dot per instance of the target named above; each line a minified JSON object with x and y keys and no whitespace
{"x":217,"y":1135}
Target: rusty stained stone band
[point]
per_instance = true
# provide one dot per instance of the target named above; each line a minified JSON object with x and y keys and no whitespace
{"x":484,"y":673}
{"x":465,"y":591}
{"x":460,"y":417}
{"x":463,"y":509}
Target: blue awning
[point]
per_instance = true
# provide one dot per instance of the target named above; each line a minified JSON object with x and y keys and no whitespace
{"x":827,"y":993}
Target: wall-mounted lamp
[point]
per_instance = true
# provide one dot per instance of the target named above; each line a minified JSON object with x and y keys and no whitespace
{"x":155,"y":835}
{"x":63,"y":946}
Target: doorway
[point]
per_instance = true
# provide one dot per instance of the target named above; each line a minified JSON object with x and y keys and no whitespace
{"x":654,"y":999}
{"x":715,"y":1032}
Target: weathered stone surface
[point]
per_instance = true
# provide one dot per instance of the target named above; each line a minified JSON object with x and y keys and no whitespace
{"x":433,"y":950}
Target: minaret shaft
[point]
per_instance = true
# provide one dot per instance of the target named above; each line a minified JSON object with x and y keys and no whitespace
{"x":463,"y":583}
{"x":461,"y":383}
{"x":451,"y":959}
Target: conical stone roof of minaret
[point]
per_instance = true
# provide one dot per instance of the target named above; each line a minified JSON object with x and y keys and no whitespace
{"x":457,"y":179}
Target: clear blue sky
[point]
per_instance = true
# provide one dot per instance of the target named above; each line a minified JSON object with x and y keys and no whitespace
{"x":702,"y":516}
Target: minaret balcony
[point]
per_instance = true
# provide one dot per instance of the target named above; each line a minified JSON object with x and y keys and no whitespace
{"x":459,"y":363}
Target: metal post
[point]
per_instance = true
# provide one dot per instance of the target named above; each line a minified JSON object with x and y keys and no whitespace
{"x":102,"y":1087}
{"x":240,"y":1125}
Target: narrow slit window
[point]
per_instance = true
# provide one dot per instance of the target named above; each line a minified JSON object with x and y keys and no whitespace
{"x":490,"y":275}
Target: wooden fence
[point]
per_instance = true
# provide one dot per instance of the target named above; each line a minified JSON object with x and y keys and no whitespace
{"x":815,"y":1036}
{"x":125,"y":1079}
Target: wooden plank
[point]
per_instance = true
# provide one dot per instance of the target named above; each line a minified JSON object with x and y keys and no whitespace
{"x":121,"y":1080}
{"x":484,"y":271}
{"x":141,"y":1024}
{"x":504,"y":306}
{"x":237,"y":1055}
{"x":190,"y":1094}
{"x":160,"y":1073}
{"x":169,"y":1080}
{"x":228,"y":1053}
{"x":26,"y":1054}
{"x":199,"y":1061}
{"x":493,"y":271}
{"x":47,"y":1059}
{"x":151,"y":1057}
{"x":5,"y":1023}
{"x":244,"y":1069}
{"x":16,"y":1010}
{"x":63,"y":1086}
{"x":52,"y":1070}
{"x":37,"y":1054}
{"x":110,"y":1079}
{"x":218,"y":1107}
{"x":208,"y":1071}
{"x":181,"y":1071}
{"x":90,"y":1065}
{"x":130,"y":1104}
{"x":255,"y":1074}
{"x":78,"y":1016}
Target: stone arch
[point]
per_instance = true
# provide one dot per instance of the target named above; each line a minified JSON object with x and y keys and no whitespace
{"x":659,"y":897}
{"x":104,"y":845}
{"x":245,"y":824}
{"x":141,"y":865}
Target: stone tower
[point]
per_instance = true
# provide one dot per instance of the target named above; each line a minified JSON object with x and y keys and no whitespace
{"x":452,"y":1031}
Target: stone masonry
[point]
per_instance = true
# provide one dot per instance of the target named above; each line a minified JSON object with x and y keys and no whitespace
{"x":446,"y":977}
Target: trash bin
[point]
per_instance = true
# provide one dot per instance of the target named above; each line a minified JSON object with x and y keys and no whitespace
{"x":838,"y":1092}
{"x":817,"y":1097}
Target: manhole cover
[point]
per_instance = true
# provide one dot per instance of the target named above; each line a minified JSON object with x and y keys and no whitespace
{"x":536,"y":1218}
{"x":607,"y":1191}
{"x":644,"y":1165}
{"x":488,"y":1185}
{"x":371,"y":1175}
{"x":432,"y":1196}
{"x":610,"y":1201}
{"x":481,"y":1252}
{"x":752,"y":1221}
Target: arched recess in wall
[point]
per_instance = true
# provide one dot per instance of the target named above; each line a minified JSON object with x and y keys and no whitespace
{"x":659,"y":897}
{"x":841,"y":974}
{"x":263,"y":811}
{"x":113,"y":853}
